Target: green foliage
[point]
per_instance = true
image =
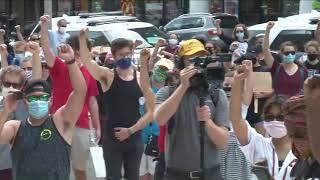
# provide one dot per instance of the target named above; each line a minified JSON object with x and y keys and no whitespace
{"x":316,"y":4}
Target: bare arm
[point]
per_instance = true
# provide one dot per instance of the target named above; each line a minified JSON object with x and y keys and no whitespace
{"x":317,"y":33}
{"x":48,"y":54}
{"x":2,"y":34}
{"x":248,"y":87}
{"x":4,"y":55}
{"x":154,"y":56}
{"x":239,"y":125}
{"x":71,"y":111}
{"x":34,"y":48}
{"x":266,"y":50}
{"x":98,"y":72}
{"x":217,"y":23}
{"x":217,"y":134}
{"x":94,"y":112}
{"x":19,"y":34}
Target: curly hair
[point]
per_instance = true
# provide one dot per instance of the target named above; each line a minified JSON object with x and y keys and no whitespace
{"x":245,"y":29}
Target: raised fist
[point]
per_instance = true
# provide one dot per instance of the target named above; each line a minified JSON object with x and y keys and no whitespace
{"x":33,"y":47}
{"x":3,"y":49}
{"x":270,"y":25}
{"x":66,"y":52}
{"x":18,"y":28}
{"x":241,"y":73}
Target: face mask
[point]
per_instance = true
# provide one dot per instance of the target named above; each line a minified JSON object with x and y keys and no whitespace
{"x":124,"y":63}
{"x":159,"y":75}
{"x":28,"y":74}
{"x":173,"y":42}
{"x":227,"y":88}
{"x":62,"y":30}
{"x":288,"y":59}
{"x":240,"y":36}
{"x":19,"y":56}
{"x":275,"y":129}
{"x":6,"y":90}
{"x":258,"y":48}
{"x":312,"y":57}
{"x":38,"y":109}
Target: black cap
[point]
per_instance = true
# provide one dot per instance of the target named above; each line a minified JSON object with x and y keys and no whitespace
{"x":248,"y":56}
{"x":37,"y":86}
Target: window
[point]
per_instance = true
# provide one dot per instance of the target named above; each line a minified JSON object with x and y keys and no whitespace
{"x":97,"y":37}
{"x":192,"y":22}
{"x":150,"y":34}
{"x":228,"y":21}
{"x":299,"y":37}
{"x":174,"y":25}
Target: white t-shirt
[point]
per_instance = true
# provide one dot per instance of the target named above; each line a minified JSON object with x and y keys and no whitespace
{"x":260,"y":149}
{"x":56,"y":39}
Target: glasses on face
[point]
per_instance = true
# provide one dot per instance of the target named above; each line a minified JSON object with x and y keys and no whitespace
{"x":289,"y":52}
{"x":33,"y":98}
{"x":27,"y":68}
{"x":63,"y":25}
{"x":9,"y":84}
{"x":271,"y":117}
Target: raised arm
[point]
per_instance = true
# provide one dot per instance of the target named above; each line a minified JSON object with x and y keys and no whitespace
{"x":124,"y":133}
{"x":2,"y":34}
{"x":317,"y":33}
{"x":167,"y":109}
{"x":248,"y":85}
{"x":217,"y":23}
{"x":71,"y":111}
{"x":8,"y":129}
{"x":48,"y":54}
{"x":161,"y":42}
{"x":312,"y":95}
{"x":100,"y":73}
{"x":266,"y":49}
{"x":19,"y":34}
{"x":4,"y":55}
{"x":34,"y":48}
{"x":239,"y":124}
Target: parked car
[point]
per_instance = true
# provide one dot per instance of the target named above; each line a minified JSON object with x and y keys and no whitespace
{"x":189,"y":25}
{"x":298,"y":28}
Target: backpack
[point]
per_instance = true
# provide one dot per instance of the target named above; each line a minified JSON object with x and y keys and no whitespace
{"x":214,"y":94}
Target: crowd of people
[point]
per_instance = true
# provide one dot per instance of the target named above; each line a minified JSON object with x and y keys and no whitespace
{"x":162,"y":119}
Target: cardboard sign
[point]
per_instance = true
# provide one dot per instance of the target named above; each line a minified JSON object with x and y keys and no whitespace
{"x":262,"y":82}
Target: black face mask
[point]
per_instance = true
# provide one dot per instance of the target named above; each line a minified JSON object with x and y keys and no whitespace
{"x":227,"y":88}
{"x":312,"y":57}
{"x":258,"y":48}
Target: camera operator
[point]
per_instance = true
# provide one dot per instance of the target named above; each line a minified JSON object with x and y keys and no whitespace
{"x":181,"y":107}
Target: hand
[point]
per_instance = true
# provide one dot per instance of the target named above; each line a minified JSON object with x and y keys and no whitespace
{"x":10,"y":103}
{"x":44,"y":21}
{"x":2,"y":32}
{"x":33,"y":47}
{"x":65,"y":52}
{"x":84,"y":32}
{"x":248,"y":65}
{"x":122,"y":133}
{"x":144,"y":56}
{"x":270,"y":25}
{"x":204,"y":113}
{"x":241,"y":73}
{"x":3,"y":49}
{"x":137,"y":43}
{"x":161,"y":42}
{"x":217,"y":22}
{"x":18,"y":28}
{"x":186,"y":74}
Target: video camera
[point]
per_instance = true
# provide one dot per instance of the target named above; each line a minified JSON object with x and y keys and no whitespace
{"x":209,"y":75}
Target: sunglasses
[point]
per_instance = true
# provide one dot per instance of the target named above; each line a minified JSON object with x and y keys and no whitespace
{"x":289,"y":52}
{"x":27,"y":69}
{"x":9,"y":84}
{"x":63,"y":25}
{"x":34,"y":98}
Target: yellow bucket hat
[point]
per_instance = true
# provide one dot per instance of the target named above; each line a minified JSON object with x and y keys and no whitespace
{"x":191,"y":47}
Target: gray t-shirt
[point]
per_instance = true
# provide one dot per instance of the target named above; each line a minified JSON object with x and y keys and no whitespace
{"x":21,"y":113}
{"x":183,"y":144}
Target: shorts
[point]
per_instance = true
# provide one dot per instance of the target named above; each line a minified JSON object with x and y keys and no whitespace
{"x":80,"y":149}
{"x":147,"y":165}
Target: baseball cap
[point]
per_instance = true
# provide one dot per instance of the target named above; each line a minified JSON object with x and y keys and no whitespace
{"x":165,"y":62}
{"x":36,"y":86}
{"x":191,"y":47}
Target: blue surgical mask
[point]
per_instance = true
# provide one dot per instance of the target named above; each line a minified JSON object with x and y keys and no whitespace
{"x":19,"y":56}
{"x":288,"y":59}
{"x":124,"y":63}
{"x":240,"y":36}
{"x":38,"y":109}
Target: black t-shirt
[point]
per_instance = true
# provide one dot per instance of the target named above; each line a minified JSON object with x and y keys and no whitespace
{"x":252,"y":117}
{"x":312,"y":69}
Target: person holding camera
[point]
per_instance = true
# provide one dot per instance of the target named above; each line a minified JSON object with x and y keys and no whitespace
{"x":41,"y":144}
{"x":180,"y":109}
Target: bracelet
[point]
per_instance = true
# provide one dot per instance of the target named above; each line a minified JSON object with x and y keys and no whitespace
{"x":130,"y":132}
{"x":70,"y":62}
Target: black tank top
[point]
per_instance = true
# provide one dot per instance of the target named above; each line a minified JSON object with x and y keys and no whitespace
{"x":122,"y":101}
{"x":40,"y":152}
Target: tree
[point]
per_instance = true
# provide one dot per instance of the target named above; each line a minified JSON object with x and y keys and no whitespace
{"x":316,"y":5}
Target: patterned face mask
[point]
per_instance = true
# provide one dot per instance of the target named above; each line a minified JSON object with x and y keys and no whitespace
{"x":159,"y":75}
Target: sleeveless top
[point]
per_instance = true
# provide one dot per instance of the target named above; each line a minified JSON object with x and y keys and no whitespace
{"x":122,"y":107}
{"x":40,"y":152}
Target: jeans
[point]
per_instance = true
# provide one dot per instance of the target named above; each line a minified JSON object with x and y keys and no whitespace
{"x":128,"y":153}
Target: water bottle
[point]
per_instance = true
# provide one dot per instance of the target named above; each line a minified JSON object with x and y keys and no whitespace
{"x":93,"y":138}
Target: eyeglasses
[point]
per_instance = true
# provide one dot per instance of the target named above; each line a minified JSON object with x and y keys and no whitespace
{"x":63,"y":25}
{"x":289,"y":52}
{"x":27,"y":68}
{"x":44,"y":66}
{"x":33,"y":98}
{"x":9,"y":84}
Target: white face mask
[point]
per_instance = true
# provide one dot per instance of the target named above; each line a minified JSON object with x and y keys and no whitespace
{"x":6,"y":90}
{"x":62,"y":30}
{"x":173,"y":41}
{"x":275,"y":129}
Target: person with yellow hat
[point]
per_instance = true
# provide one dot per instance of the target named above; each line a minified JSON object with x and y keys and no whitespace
{"x":179,"y":109}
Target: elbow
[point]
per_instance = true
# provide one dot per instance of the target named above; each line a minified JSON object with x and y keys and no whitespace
{"x":223,"y":141}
